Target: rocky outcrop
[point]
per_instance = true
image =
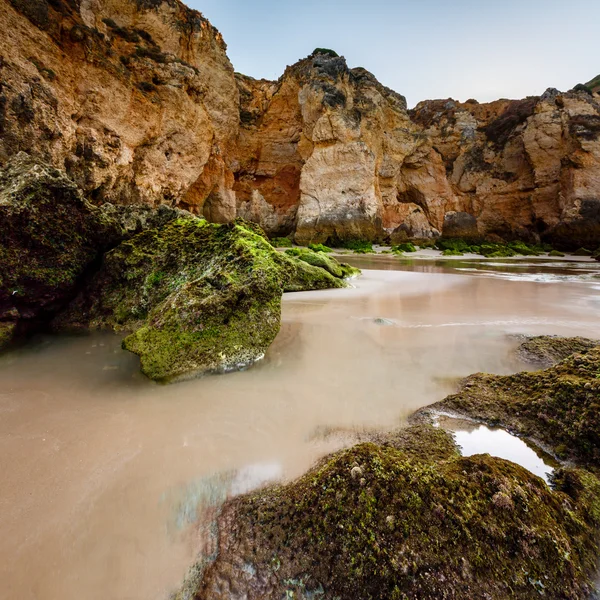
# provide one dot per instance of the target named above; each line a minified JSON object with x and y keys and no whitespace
{"x":328,"y":153}
{"x":49,"y":237}
{"x":557,"y":407}
{"x":408,"y":518}
{"x":197,"y":297}
{"x":140,"y":105}
{"x":547,"y":350}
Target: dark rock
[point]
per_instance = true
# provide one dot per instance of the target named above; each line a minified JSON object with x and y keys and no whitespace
{"x":49,"y":236}
{"x":460,"y":225}
{"x":547,"y":350}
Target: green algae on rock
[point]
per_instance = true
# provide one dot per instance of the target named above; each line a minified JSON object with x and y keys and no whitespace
{"x":199,"y":297}
{"x":558,"y":407}
{"x":323,"y":261}
{"x":547,"y":350}
{"x":392,"y":521}
{"x":49,"y":236}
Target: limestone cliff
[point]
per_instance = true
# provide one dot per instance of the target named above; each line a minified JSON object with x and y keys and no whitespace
{"x":136,"y":99}
{"x":138,"y":102}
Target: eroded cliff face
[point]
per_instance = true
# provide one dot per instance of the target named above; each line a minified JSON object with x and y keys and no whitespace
{"x":341,"y":152}
{"x":327,"y":152}
{"x":138,"y":101}
{"x":524,"y":169}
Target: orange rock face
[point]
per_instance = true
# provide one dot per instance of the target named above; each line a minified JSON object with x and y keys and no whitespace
{"x":138,"y":101}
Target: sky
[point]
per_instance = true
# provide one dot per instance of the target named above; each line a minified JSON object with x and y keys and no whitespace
{"x":424,"y":49}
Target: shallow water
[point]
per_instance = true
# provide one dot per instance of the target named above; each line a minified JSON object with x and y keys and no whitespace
{"x":474,"y":438}
{"x":102,"y":470}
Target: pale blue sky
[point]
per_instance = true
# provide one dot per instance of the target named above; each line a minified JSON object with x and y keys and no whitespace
{"x":483,"y":49}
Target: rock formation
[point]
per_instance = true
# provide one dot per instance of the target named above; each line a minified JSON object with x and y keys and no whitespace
{"x":196,"y":297}
{"x":407,"y":517}
{"x":49,"y":237}
{"x":557,"y":407}
{"x":138,"y":101}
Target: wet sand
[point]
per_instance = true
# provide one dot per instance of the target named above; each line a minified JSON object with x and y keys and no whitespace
{"x":101,"y":468}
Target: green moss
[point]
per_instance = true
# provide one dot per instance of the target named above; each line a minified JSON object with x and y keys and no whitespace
{"x":281,"y":242}
{"x":358,"y":246}
{"x":199,"y":297}
{"x":523,"y":249}
{"x":555,"y":253}
{"x":320,"y":248}
{"x":559,"y":406}
{"x":323,"y":261}
{"x":488,"y":249}
{"x":7,"y":331}
{"x":582,"y":252}
{"x":383,"y":521}
{"x":450,"y":252}
{"x":547,"y":350}
{"x":404,"y":247}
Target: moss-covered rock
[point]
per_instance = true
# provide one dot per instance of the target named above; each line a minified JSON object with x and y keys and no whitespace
{"x":558,"y":407}
{"x":49,"y":236}
{"x":323,"y":261}
{"x":394,"y":521}
{"x":7,"y":332}
{"x":547,"y":350}
{"x":199,"y":297}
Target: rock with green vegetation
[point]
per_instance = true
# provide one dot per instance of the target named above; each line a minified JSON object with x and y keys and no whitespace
{"x":524,"y":249}
{"x":198,"y":297}
{"x":323,"y":261}
{"x":135,"y":218}
{"x":558,"y":408}
{"x":407,"y":518}
{"x":547,"y":350}
{"x":281,"y":242}
{"x":555,"y":253}
{"x":7,"y":332}
{"x":487,"y":248}
{"x":320,"y":248}
{"x":404,"y":247}
{"x":582,"y":252}
{"x":358,"y":246}
{"x":454,"y":244}
{"x":450,"y":252}
{"x":49,"y":237}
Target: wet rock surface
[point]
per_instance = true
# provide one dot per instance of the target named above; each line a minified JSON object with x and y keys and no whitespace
{"x":557,"y":407}
{"x":49,"y":236}
{"x":547,"y":350}
{"x":393,"y":519}
{"x":198,"y":297}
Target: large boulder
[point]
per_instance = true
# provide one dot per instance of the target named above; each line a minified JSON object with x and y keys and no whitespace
{"x":407,"y":518}
{"x":197,"y":297}
{"x":49,"y":236}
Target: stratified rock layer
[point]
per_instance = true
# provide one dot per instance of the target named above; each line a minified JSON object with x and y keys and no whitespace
{"x":139,"y":103}
{"x":409,"y":518}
